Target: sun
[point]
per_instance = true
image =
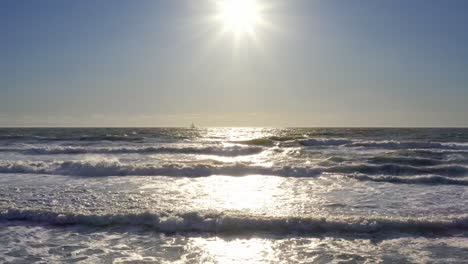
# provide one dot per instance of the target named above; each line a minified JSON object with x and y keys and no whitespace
{"x":239,"y":16}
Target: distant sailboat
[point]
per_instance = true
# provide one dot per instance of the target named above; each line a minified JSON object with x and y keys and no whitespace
{"x":192,"y":126}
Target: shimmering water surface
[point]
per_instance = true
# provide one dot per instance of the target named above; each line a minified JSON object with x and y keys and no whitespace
{"x":233,"y":195}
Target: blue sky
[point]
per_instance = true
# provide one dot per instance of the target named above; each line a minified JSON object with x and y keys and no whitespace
{"x":163,"y":63}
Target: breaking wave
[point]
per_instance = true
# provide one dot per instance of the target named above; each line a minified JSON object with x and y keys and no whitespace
{"x":382,"y":144}
{"x":324,"y":142}
{"x":393,"y":169}
{"x":430,"y":179}
{"x":256,"y":142}
{"x":113,"y":167}
{"x":408,"y":145}
{"x":226,"y":223}
{"x":212,"y":150}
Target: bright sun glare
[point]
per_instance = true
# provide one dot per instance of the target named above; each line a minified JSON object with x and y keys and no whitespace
{"x":239,"y":16}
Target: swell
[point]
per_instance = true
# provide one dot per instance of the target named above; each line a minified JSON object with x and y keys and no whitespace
{"x":420,"y":161}
{"x":429,"y":179}
{"x":212,"y":150}
{"x":389,"y":144}
{"x":394,"y":169}
{"x":325,"y":142}
{"x":431,"y":153}
{"x":267,"y":141}
{"x":412,"y":161}
{"x":256,"y":142}
{"x":226,"y":223}
{"x":408,"y":145}
{"x":73,"y":137}
{"x":110,"y":167}
{"x":113,"y":167}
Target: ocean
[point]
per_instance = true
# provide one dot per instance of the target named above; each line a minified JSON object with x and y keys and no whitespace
{"x":233,"y":195}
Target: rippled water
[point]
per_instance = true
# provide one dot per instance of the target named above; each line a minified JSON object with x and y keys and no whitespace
{"x":225,"y":195}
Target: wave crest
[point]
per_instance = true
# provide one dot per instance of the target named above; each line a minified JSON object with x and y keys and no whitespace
{"x":408,"y":145}
{"x":113,"y":167}
{"x":388,"y":144}
{"x":211,"y":150}
{"x":430,"y":179}
{"x":324,"y":142}
{"x":226,"y":223}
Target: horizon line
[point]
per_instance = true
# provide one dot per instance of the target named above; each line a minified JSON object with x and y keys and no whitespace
{"x":201,"y":127}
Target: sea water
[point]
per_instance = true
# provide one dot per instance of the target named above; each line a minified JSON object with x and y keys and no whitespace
{"x":233,"y":195}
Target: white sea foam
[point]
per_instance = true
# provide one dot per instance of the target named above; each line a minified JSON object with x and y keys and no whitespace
{"x":113,"y":167}
{"x":219,"y":223}
{"x":210,"y":150}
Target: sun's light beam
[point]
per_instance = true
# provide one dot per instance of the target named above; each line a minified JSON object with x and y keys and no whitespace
{"x":239,"y":16}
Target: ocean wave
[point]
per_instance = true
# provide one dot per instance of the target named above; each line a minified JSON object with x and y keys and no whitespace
{"x":111,"y":137}
{"x":72,"y":137}
{"x":394,"y":169}
{"x":408,"y":145}
{"x":285,"y":138}
{"x":431,"y":153}
{"x":11,"y":137}
{"x":212,"y":150}
{"x":256,"y":142}
{"x":112,"y":167}
{"x":387,"y":144}
{"x":412,"y":161}
{"x":429,"y":179}
{"x":324,"y":142}
{"x":268,"y":141}
{"x":233,"y":223}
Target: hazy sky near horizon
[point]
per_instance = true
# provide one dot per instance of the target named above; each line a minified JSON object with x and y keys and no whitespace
{"x":164,"y":63}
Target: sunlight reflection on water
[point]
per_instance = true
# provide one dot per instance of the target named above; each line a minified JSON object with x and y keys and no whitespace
{"x":217,"y":250}
{"x":240,"y":193}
